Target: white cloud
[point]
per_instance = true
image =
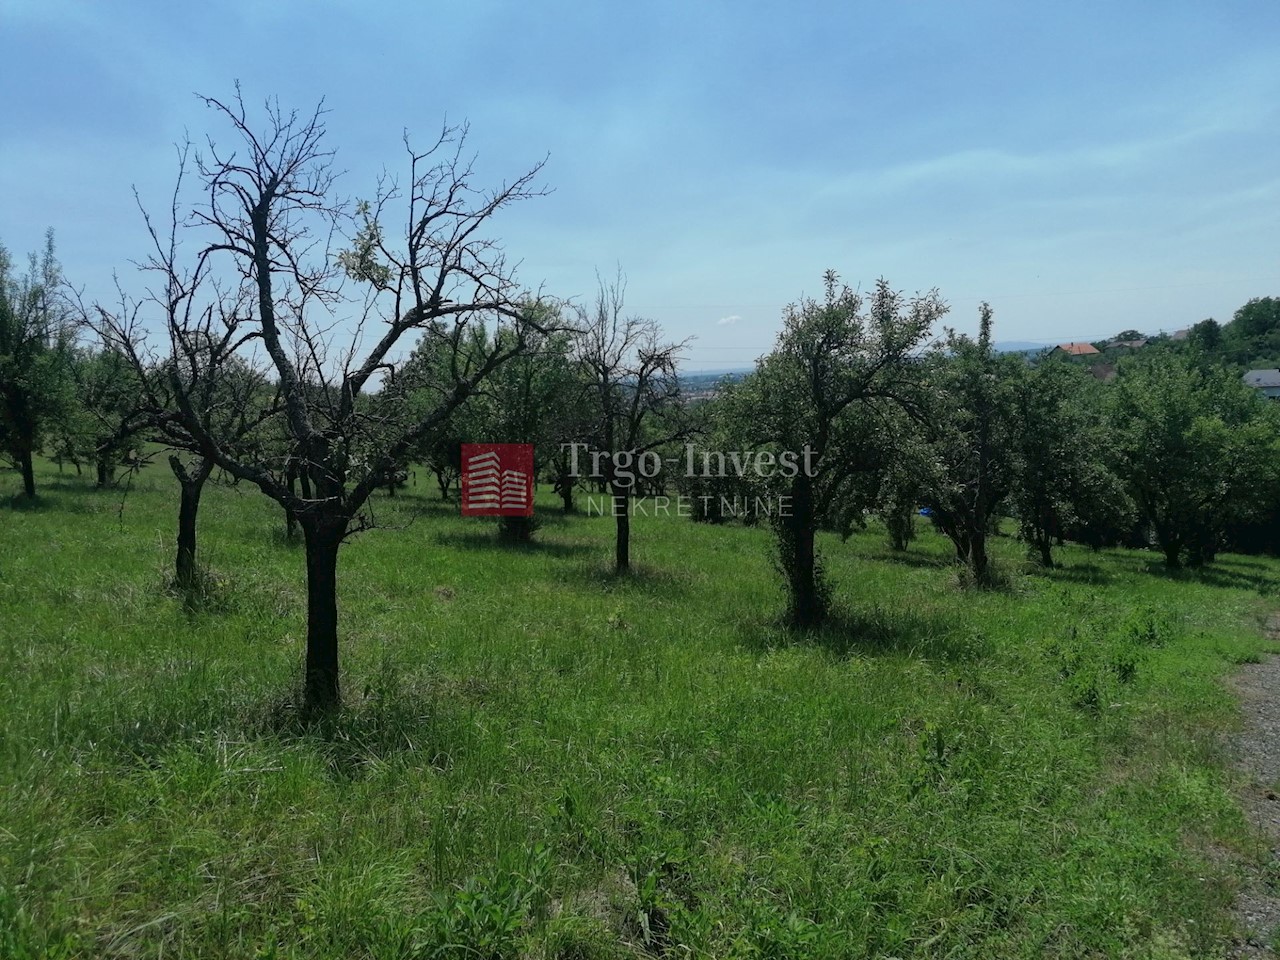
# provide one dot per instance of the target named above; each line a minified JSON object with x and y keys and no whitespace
{"x":725,"y":321}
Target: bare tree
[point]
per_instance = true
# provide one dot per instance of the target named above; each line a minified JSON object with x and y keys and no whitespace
{"x":205,"y":378}
{"x":267,"y":220}
{"x":636,"y":398}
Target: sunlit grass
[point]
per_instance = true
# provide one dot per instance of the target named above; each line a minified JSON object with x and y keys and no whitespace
{"x":538,"y":758}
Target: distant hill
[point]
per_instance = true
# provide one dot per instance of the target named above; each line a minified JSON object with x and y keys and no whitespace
{"x":703,"y":383}
{"x":1020,"y":346}
{"x":717,"y":373}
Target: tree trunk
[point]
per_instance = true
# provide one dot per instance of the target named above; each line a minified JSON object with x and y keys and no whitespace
{"x":323,"y":537}
{"x":798,"y":556}
{"x":564,"y":487}
{"x":192,"y":484}
{"x":291,"y":518}
{"x":978,"y":561}
{"x":900,"y":523}
{"x":1046,"y":550}
{"x":807,"y":609}
{"x":622,"y":517}
{"x":28,"y":472}
{"x":104,"y":472}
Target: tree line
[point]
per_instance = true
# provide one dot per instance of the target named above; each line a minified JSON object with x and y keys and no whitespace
{"x":319,"y":376}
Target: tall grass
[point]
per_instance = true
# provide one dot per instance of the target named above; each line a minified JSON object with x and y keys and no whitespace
{"x":540,"y":759}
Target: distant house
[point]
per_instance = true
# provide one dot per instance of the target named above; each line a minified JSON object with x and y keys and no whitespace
{"x":1128,"y":344}
{"x":1076,"y":349}
{"x":1265,"y":381}
{"x":1181,"y":334}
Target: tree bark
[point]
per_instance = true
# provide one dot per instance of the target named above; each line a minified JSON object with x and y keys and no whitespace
{"x":443,"y":481}
{"x":799,"y":557}
{"x":192,"y":485}
{"x":807,"y":610}
{"x":290,"y":518}
{"x":1046,"y":551}
{"x":564,"y":487}
{"x":978,"y":561}
{"x":28,"y":472}
{"x":622,"y":518}
{"x":104,"y":472}
{"x":323,"y":536}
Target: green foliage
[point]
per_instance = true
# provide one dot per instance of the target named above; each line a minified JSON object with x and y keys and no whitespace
{"x":971,"y":431}
{"x":826,"y":395}
{"x":1206,"y":336}
{"x":1196,"y":447}
{"x":1254,"y":331}
{"x":108,"y":414}
{"x":1062,"y":444}
{"x":36,"y":336}
{"x":364,"y":261}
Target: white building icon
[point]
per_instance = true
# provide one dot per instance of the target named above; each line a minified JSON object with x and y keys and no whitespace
{"x":489,"y":487}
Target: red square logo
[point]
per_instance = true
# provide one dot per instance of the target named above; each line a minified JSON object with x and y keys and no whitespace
{"x":497,"y":479}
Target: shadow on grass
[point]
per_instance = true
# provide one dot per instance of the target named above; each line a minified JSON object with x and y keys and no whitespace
{"x":639,"y":579}
{"x":1232,"y":573}
{"x":1091,"y":573}
{"x":879,"y":631}
{"x":1216,"y":575}
{"x":907,"y":558}
{"x":281,"y":538}
{"x":488,"y":540}
{"x":390,"y":715}
{"x":86,"y":499}
{"x":419,"y":722}
{"x":21,"y":503}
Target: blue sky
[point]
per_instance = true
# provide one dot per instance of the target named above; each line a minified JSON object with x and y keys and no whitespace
{"x":1086,"y":167}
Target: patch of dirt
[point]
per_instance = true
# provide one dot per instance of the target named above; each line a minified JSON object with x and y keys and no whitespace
{"x":1257,"y":757}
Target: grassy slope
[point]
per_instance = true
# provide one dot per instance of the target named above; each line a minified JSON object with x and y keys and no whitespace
{"x":539,"y":760}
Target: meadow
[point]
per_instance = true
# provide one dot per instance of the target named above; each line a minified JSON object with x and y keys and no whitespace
{"x":539,"y":759}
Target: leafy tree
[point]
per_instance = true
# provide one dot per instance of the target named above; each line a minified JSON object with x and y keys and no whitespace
{"x":1258,"y":318}
{"x":902,"y":490}
{"x":972,"y":433}
{"x":525,"y":401}
{"x":1060,"y":454}
{"x":1195,"y":447}
{"x":110,"y":412}
{"x":420,"y":383}
{"x":817,"y":404}
{"x":1254,"y":331}
{"x":521,"y":402}
{"x":721,"y":423}
{"x":1206,"y":336}
{"x":36,"y":337}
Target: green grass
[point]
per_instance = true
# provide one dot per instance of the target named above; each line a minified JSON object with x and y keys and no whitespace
{"x":540,"y":760}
